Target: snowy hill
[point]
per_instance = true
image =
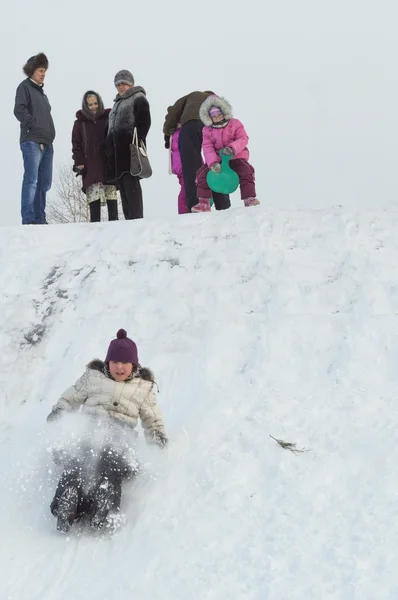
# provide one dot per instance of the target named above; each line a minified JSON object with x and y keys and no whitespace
{"x":257,"y":323}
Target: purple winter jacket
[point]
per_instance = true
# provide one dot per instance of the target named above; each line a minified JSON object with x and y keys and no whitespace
{"x":88,"y":141}
{"x":176,"y":166}
{"x":233,"y":135}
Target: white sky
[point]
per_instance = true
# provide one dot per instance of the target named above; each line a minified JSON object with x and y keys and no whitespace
{"x":314,"y":82}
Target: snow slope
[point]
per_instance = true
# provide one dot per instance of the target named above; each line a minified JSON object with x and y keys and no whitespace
{"x":257,"y":322}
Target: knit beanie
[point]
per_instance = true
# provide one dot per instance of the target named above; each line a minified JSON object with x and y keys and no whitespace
{"x":124,"y":76}
{"x":214,"y":111}
{"x":122,"y":349}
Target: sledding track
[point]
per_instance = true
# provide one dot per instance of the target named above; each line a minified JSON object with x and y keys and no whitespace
{"x":256,"y":322}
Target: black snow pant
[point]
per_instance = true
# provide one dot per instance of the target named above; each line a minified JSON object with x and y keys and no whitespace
{"x":131,"y":194}
{"x":110,"y":466}
{"x":95,"y":211}
{"x":190,"y":148}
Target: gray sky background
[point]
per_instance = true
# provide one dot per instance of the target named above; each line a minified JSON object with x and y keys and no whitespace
{"x":314,"y":82}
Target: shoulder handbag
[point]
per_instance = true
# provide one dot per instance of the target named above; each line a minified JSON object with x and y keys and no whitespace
{"x":139,"y":161}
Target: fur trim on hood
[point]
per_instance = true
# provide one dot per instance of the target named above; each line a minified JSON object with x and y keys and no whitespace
{"x":142,"y":372}
{"x":40,"y":61}
{"x":85,"y":112}
{"x":221,"y":103}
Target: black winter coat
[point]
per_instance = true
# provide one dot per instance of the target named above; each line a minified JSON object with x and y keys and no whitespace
{"x":129,"y":111}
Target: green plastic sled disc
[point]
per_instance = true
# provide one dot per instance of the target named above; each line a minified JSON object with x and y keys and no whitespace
{"x":225,"y":182}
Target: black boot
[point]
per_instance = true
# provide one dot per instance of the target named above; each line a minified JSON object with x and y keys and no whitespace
{"x":112,"y":467}
{"x":66,"y":510}
{"x":103,"y":501}
{"x":68,"y":496}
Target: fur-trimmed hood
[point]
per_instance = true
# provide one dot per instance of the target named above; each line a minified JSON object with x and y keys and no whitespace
{"x":40,"y":61}
{"x":85,"y":114}
{"x":219,"y":102}
{"x":142,"y":372}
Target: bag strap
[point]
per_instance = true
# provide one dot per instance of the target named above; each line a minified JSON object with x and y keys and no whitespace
{"x":135,"y":137}
{"x":84,"y":139}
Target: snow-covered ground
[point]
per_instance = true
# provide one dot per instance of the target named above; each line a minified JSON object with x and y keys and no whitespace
{"x":257,"y":323}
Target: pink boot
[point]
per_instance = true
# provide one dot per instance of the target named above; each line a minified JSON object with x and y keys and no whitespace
{"x":203,"y":206}
{"x":251,"y":201}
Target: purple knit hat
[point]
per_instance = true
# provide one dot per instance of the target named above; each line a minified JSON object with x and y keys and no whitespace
{"x":215,"y":111}
{"x":122,"y":349}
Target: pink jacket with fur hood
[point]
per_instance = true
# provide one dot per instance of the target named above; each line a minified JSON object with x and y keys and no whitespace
{"x":214,"y":138}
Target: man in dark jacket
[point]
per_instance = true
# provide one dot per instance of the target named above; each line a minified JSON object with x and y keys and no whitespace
{"x":33,"y":111}
{"x":130,"y":111}
{"x":186,"y":112}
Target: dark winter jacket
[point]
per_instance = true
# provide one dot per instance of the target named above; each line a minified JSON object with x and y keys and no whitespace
{"x":129,"y":111}
{"x":33,"y":111}
{"x":88,"y":141}
{"x":185,"y":109}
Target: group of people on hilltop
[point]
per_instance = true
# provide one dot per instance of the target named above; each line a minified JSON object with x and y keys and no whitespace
{"x":102,"y":138}
{"x":203,"y":121}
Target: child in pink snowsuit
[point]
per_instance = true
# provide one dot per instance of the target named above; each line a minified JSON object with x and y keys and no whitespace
{"x":222,"y":132}
{"x":176,"y":169}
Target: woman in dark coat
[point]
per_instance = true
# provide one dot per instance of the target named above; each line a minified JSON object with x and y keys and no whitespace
{"x":131,"y":110}
{"x":88,"y":147}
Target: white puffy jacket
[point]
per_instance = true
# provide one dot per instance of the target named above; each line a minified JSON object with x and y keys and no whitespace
{"x":124,"y":402}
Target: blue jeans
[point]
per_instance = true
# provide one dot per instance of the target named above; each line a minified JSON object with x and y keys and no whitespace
{"x":38,"y":165}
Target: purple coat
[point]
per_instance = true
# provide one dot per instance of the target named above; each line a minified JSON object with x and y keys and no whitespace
{"x":176,"y":166}
{"x":88,"y":144}
{"x":233,"y":135}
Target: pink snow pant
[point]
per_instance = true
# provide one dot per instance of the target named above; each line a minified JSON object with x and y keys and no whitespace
{"x":246,"y":179}
{"x":182,"y":197}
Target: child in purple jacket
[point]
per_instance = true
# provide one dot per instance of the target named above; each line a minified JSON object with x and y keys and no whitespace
{"x":176,"y":169}
{"x":222,"y":132}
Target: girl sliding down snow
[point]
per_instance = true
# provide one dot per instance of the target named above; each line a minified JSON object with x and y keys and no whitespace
{"x":113,"y":394}
{"x":222,"y":132}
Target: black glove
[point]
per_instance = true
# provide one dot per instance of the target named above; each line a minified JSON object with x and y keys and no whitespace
{"x":167,"y":142}
{"x":54,"y":415}
{"x":159,"y":438}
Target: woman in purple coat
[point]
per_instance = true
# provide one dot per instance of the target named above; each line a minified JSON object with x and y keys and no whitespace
{"x":88,"y":153}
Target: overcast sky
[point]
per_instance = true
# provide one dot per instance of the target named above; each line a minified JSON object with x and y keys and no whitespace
{"x":315,"y":83}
